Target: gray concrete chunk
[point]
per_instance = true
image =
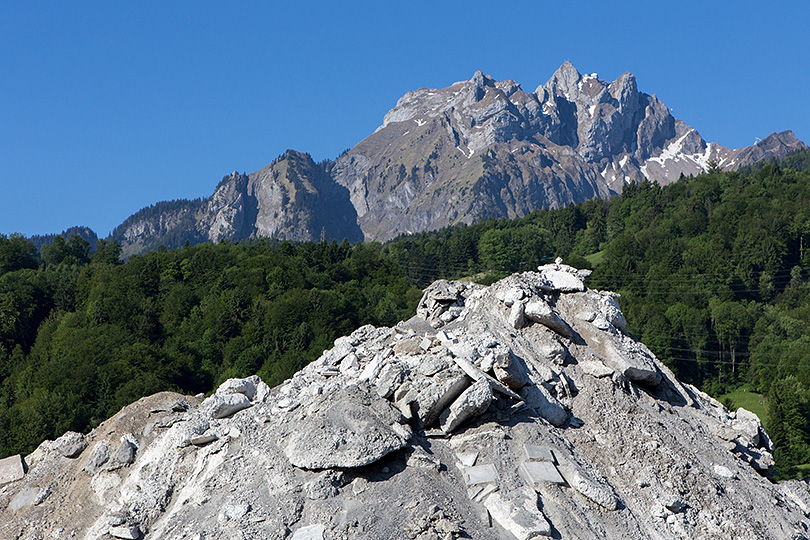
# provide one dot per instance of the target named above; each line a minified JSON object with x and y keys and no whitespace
{"x":537,"y":473}
{"x":310,"y":532}
{"x":11,"y":469}
{"x":518,"y":515}
{"x":538,"y":453}
{"x":473,"y":402}
{"x":70,"y":445}
{"x":351,"y":428}
{"x":480,"y":474}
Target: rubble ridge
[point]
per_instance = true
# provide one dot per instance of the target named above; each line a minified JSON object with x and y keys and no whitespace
{"x":520,"y":410}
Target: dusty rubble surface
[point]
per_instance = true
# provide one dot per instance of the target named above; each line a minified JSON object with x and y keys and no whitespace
{"x":520,"y":410}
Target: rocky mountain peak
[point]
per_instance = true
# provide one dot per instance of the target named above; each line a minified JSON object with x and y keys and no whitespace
{"x":477,"y":149}
{"x":520,"y":410}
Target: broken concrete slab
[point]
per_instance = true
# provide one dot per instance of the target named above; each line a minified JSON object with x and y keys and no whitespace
{"x":596,"y":369}
{"x":596,"y":490}
{"x":126,"y":532}
{"x":477,"y":375}
{"x":310,"y":532}
{"x":537,"y":310}
{"x":519,"y":515}
{"x":537,"y":473}
{"x":509,"y":369}
{"x":544,"y":404}
{"x":473,"y":402}
{"x":225,"y":405}
{"x":11,"y":469}
{"x":350,"y":428}
{"x":534,"y":452}
{"x":467,"y":459}
{"x":438,"y":394}
{"x":247,"y":387}
{"x":479,"y":474}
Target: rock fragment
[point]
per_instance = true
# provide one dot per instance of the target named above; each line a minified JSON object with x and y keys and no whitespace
{"x":11,"y":469}
{"x":352,"y":428}
{"x":225,"y":405}
{"x":518,"y":515}
{"x":310,"y":532}
{"x":70,"y":445}
{"x":126,"y":532}
{"x":539,"y":311}
{"x":473,"y":402}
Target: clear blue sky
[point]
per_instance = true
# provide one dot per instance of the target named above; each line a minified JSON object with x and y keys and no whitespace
{"x":106,"y":107}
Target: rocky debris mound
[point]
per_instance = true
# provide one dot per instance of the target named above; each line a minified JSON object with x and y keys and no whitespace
{"x":521,"y":410}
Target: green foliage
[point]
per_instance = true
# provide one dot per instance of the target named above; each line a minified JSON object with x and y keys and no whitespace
{"x":82,"y":335}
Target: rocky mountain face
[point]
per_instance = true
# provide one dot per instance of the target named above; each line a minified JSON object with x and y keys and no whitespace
{"x":477,"y":149}
{"x":293,"y":198}
{"x":484,"y":148}
{"x":520,"y":410}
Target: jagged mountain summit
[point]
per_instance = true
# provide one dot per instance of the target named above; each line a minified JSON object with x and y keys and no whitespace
{"x":484,"y":148}
{"x":516,"y":411}
{"x":477,"y":149}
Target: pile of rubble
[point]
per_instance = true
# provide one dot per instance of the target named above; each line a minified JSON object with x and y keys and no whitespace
{"x":520,"y":410}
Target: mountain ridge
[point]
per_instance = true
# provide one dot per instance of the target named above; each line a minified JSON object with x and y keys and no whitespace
{"x":474,"y":150}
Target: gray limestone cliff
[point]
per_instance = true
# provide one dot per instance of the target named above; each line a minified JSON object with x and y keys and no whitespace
{"x":475,"y":150}
{"x":483,"y":148}
{"x":520,"y":410}
{"x":293,"y":198}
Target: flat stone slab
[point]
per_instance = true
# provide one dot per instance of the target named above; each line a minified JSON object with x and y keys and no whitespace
{"x":26,"y":497}
{"x":310,"y":532}
{"x":538,"y":453}
{"x":537,"y":473}
{"x":11,"y":469}
{"x":480,"y":474}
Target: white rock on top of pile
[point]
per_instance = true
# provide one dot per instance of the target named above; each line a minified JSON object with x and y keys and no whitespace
{"x":562,"y":278}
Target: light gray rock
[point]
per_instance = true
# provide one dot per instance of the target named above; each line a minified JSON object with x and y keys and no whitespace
{"x":352,"y":428}
{"x":310,"y":532}
{"x":126,"y":532}
{"x":11,"y":469}
{"x":517,"y":315}
{"x":519,"y":515}
{"x":539,"y":311}
{"x":127,"y":449}
{"x":560,"y":278}
{"x":509,"y":369}
{"x":544,"y":404}
{"x":99,"y":455}
{"x":594,"y":489}
{"x":225,"y":405}
{"x":438,"y":394}
{"x":473,"y":402}
{"x":595,"y":368}
{"x":246,"y":387}
{"x":70,"y":445}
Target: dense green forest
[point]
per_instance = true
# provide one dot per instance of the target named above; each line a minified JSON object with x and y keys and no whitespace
{"x":713,"y":273}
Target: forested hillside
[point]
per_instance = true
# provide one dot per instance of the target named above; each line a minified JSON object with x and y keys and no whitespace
{"x":713,"y":273}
